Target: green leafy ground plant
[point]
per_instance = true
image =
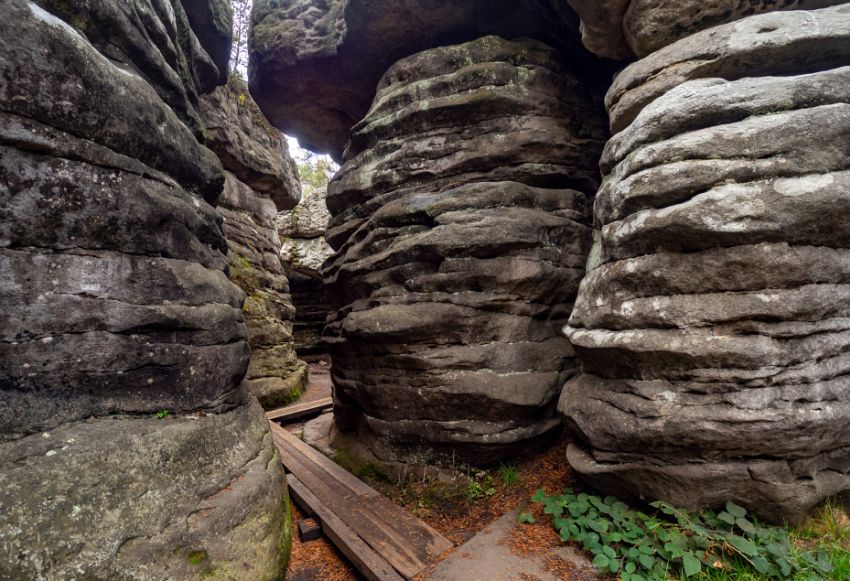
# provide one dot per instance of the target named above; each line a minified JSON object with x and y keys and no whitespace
{"x":676,"y":543}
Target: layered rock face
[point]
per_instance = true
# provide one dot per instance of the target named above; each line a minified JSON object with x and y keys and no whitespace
{"x":315,"y":64}
{"x":620,"y":28}
{"x":461,"y":228}
{"x":304,"y":251}
{"x":261,"y":179}
{"x":713,"y":323}
{"x":116,"y":307}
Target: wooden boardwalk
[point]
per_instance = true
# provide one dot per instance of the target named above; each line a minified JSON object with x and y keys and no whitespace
{"x":383,"y":541}
{"x":300,"y":410}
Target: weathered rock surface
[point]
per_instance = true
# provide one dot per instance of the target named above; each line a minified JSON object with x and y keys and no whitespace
{"x":137,"y":499}
{"x":261,"y":179}
{"x":116,"y":306}
{"x":304,"y":250}
{"x":713,"y":323}
{"x":460,"y":223}
{"x":315,"y":64}
{"x":212,"y":23}
{"x":601,"y":27}
{"x":619,"y":29}
{"x":769,"y":44}
{"x":248,"y":147}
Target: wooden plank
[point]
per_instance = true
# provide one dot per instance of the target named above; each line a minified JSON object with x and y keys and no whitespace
{"x":429,"y":542}
{"x":300,"y":410}
{"x":404,"y":541}
{"x":426,"y":542}
{"x":346,"y":507}
{"x":418,"y":533}
{"x":349,"y":507}
{"x":339,"y":473}
{"x":369,"y":563}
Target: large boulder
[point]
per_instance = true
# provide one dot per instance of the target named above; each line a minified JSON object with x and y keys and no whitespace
{"x":261,"y":179}
{"x":315,"y":64}
{"x":713,"y":323}
{"x":620,"y":28}
{"x":304,"y":250}
{"x":117,"y":308}
{"x":461,"y":227}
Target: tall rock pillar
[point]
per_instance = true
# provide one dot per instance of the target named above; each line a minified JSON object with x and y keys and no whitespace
{"x":461,"y":229}
{"x":714,"y":323}
{"x":129,"y":447}
{"x":260,"y":180}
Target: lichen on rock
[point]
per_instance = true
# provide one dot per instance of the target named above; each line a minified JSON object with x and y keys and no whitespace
{"x":129,"y":446}
{"x":461,"y":228}
{"x":712,"y":326}
{"x":261,"y":180}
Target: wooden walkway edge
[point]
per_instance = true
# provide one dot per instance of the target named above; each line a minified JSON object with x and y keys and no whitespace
{"x":300,"y":410}
{"x":382,"y":540}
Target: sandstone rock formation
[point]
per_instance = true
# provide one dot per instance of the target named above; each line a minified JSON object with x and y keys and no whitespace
{"x":116,"y":307}
{"x":315,"y":64}
{"x":304,"y":251}
{"x":618,"y":28}
{"x":261,"y":179}
{"x":713,"y":323}
{"x":461,"y":227}
{"x":211,"y":21}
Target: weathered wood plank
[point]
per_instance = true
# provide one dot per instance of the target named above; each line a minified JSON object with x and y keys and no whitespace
{"x":300,"y":410}
{"x":348,"y":507}
{"x":338,"y":472}
{"x":426,"y":542}
{"x":401,"y":539}
{"x":429,"y":542}
{"x":369,"y":563}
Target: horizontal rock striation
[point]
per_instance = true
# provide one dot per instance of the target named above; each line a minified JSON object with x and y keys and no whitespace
{"x":304,"y":250}
{"x":261,"y":179}
{"x":619,"y":29}
{"x":116,"y":307}
{"x":461,"y":228}
{"x":315,"y":64}
{"x":713,"y":323}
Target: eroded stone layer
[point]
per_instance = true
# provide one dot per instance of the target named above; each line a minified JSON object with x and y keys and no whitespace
{"x":619,"y":29}
{"x":460,"y":223}
{"x":714,"y":323}
{"x":261,"y":179}
{"x":117,"y":307}
{"x":314,"y":64}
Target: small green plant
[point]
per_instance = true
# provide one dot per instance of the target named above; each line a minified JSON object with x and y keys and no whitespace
{"x":637,"y":546}
{"x":526,"y":518}
{"x":197,"y":557}
{"x":480,"y":485}
{"x":508,"y":475}
{"x":162,"y":414}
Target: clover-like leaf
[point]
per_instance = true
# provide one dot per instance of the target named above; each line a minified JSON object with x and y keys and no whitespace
{"x":691,"y":565}
{"x":601,"y":561}
{"x":646,"y":561}
{"x":735,"y":510}
{"x":745,"y":525}
{"x":742,"y":545}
